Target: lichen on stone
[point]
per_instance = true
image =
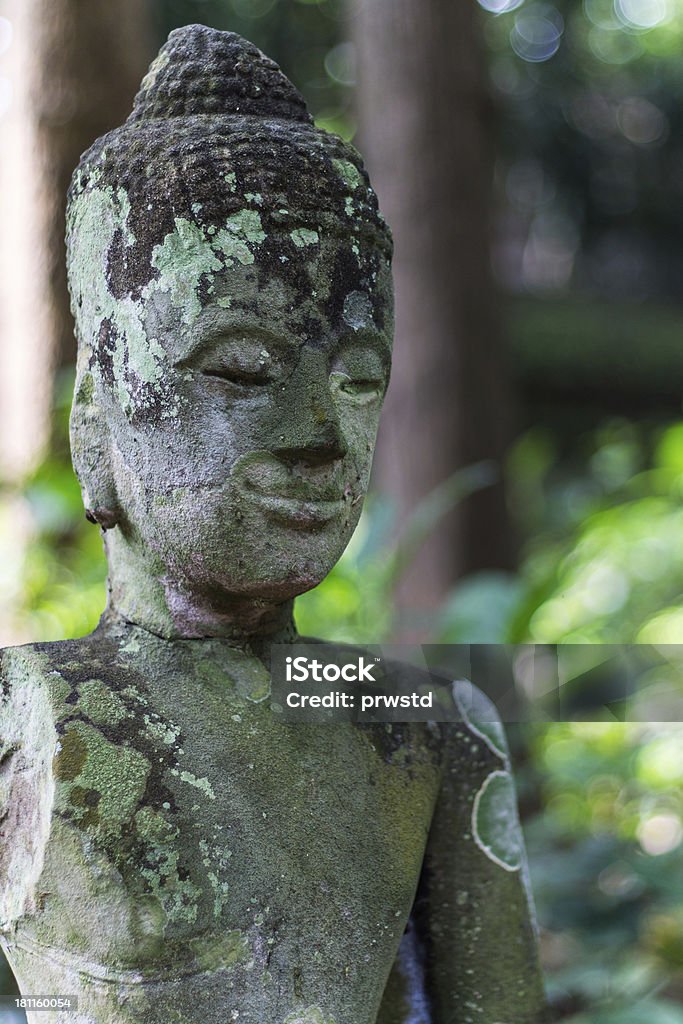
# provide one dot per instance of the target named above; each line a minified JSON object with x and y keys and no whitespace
{"x":101,"y":783}
{"x":304,"y":236}
{"x":495,"y":825}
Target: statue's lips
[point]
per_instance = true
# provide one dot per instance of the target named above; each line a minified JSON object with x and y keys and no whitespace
{"x":300,"y":512}
{"x":297,"y":499}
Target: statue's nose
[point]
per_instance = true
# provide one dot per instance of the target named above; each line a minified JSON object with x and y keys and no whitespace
{"x":324,"y":446}
{"x":309,"y":429}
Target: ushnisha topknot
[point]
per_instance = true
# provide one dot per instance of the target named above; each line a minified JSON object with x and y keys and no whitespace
{"x":217,"y":130}
{"x":202,"y":71}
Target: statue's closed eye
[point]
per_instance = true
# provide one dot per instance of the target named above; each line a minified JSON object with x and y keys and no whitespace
{"x":360,"y":374}
{"x":243,"y":362}
{"x":361,"y":389}
{"x":236,"y":374}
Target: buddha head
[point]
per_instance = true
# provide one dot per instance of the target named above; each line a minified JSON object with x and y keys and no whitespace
{"x":230,"y":281}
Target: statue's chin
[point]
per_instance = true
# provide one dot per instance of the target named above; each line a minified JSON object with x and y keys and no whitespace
{"x":226,"y":595}
{"x":277,"y":571}
{"x":275,"y":588}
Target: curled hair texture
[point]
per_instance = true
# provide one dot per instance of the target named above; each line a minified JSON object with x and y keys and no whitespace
{"x":217,"y":128}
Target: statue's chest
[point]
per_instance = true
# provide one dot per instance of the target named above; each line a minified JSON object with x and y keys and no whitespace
{"x":175,"y":825}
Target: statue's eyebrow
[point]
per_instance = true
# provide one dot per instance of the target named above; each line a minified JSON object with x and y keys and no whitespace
{"x":207,"y":340}
{"x":368,"y":337}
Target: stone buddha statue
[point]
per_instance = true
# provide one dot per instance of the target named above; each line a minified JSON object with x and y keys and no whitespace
{"x":170,"y":850}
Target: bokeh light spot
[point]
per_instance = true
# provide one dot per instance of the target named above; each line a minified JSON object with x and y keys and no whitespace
{"x":340,"y":64}
{"x":660,"y":834}
{"x":500,"y":6}
{"x":536,"y":36}
{"x":614,"y":47}
{"x":601,"y":13}
{"x":642,"y":14}
{"x":641,"y":122}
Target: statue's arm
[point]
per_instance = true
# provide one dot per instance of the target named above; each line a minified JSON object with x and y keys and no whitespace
{"x":474,"y":912}
{"x":27,"y":744}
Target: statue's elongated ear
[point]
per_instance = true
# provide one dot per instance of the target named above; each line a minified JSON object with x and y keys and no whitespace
{"x":91,"y":454}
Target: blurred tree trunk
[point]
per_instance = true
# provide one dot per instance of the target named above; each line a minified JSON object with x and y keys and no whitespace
{"x":426,"y":131}
{"x":74,"y":66}
{"x":88,"y":57}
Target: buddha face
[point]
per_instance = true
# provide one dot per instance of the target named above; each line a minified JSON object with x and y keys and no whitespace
{"x":241,"y":393}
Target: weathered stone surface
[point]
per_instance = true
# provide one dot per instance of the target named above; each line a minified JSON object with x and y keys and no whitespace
{"x":169,"y":850}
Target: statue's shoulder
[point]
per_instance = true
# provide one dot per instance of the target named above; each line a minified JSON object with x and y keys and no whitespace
{"x":28,"y":677}
{"x":34,"y":676}
{"x":54,"y":669}
{"x":36,"y":663}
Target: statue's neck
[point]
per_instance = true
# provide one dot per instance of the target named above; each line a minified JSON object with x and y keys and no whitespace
{"x":140,"y":594}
